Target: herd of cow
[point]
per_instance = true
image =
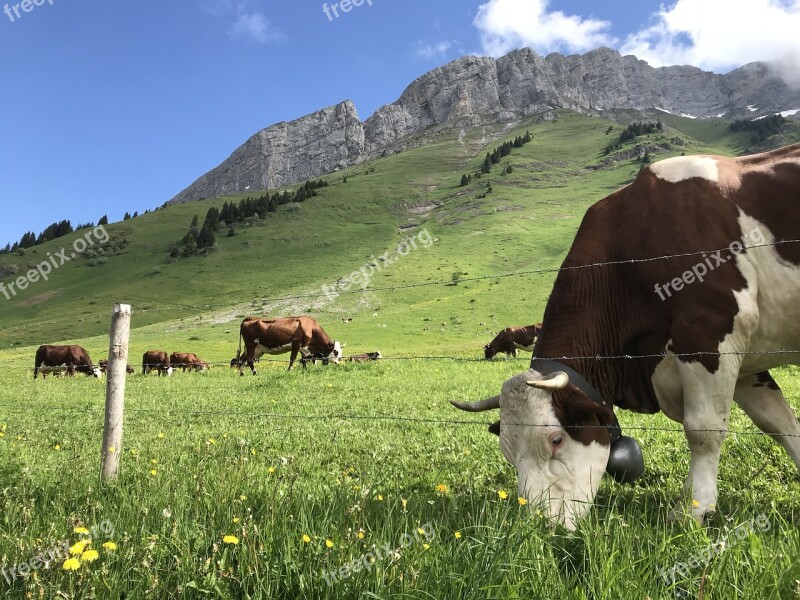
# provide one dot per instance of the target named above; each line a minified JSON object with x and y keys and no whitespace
{"x":722,"y":233}
{"x":301,"y":335}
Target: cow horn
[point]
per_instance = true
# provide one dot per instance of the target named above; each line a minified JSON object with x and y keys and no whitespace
{"x":488,"y":404}
{"x":555,"y":381}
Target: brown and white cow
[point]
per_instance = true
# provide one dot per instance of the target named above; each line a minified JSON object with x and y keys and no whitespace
{"x":187,"y":360}
{"x":158,"y":360}
{"x":365,"y":357}
{"x":688,"y":334}
{"x":74,"y":357}
{"x":103,"y":365}
{"x":512,"y":339}
{"x":300,"y":335}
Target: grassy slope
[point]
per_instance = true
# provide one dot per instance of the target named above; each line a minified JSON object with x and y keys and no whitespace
{"x":225,"y":453}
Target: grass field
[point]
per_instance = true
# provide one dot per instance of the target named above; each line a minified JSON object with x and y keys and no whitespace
{"x":358,"y":480}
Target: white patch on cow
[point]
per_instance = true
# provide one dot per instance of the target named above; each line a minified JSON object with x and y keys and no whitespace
{"x":521,"y":347}
{"x":169,"y":371}
{"x":565,"y":481}
{"x":336,"y":355}
{"x":97,"y":372}
{"x":680,"y":168}
{"x":260,"y":350}
{"x":773,"y":287}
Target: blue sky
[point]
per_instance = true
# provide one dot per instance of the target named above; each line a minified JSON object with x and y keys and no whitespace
{"x":117,"y":106}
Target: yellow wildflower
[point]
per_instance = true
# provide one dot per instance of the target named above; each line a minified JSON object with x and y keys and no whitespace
{"x":306,"y":539}
{"x":71,"y":564}
{"x":441,"y":488}
{"x":457,"y":534}
{"x":89,"y":555}
{"x":329,"y":543}
{"x":154,"y":461}
{"x":230,"y":539}
{"x":522,"y":501}
{"x":110,"y":546}
{"x":503,"y":494}
{"x":236,"y":519}
{"x":270,"y":469}
{"x":361,"y":535}
{"x":695,"y":503}
{"x":153,"y":472}
{"x":212,"y":441}
{"x":79,"y":547}
{"x":161,"y":434}
{"x":80,"y":530}
{"x":426,"y":546}
{"x":111,"y":449}
{"x":57,"y":446}
{"x":380,"y":498}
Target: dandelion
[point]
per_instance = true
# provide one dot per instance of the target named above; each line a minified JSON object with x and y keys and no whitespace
{"x":457,"y":535}
{"x":420,"y":531}
{"x":57,"y":446}
{"x":380,"y":498}
{"x":71,"y":564}
{"x":236,"y":519}
{"x":306,"y":538}
{"x":522,"y":501}
{"x":90,"y":555}
{"x":695,"y":503}
{"x":154,"y":461}
{"x":270,"y":470}
{"x":426,"y":546}
{"x":253,"y":451}
{"x":242,"y":497}
{"x":329,"y":543}
{"x":441,"y":488}
{"x":503,"y":494}
{"x":230,"y":539}
{"x":80,"y":530}
{"x":212,"y":441}
{"x":404,"y":502}
{"x":79,"y":547}
{"x":361,"y":534}
{"x":2,"y":434}
{"x":111,"y":449}
{"x":153,"y":472}
{"x":109,"y":546}
{"x":161,"y":435}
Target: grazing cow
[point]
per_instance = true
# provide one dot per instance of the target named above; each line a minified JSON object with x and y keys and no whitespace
{"x":103,"y":364}
{"x":512,"y":339}
{"x":367,"y":356}
{"x":300,"y":335}
{"x":158,"y":360}
{"x":678,"y":294}
{"x":74,"y":357}
{"x":187,"y":360}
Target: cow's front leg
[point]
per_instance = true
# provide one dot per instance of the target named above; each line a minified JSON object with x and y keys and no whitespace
{"x":707,"y":405}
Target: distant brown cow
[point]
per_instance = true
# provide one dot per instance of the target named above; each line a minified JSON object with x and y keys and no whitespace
{"x":74,"y":357}
{"x":512,"y":339}
{"x":187,"y":360}
{"x":300,"y":335}
{"x":103,"y":364}
{"x":367,"y":356}
{"x":156,"y":359}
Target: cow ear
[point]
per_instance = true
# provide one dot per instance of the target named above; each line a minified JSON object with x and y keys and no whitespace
{"x":495,"y":428}
{"x":580,"y":410}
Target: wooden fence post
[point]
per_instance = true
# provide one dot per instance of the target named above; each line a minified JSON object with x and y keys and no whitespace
{"x":115,"y":389}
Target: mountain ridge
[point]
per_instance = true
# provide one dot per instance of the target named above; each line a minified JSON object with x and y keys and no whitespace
{"x":473,"y":90}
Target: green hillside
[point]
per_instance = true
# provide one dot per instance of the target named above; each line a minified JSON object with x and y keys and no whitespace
{"x":527,"y":222}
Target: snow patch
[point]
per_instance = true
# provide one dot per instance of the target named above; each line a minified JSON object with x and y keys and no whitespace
{"x":752,"y":107}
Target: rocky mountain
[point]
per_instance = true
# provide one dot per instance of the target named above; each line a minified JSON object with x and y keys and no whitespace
{"x":477,"y":90}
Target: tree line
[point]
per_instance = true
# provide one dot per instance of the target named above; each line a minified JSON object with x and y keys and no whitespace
{"x":763,"y":128}
{"x":51,"y":232}
{"x":493,"y":157}
{"x":199,"y":240}
{"x":631,"y":132}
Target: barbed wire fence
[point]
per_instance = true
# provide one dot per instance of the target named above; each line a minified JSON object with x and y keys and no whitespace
{"x":22,"y":409}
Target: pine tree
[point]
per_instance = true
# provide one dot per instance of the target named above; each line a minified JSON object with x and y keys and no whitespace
{"x":126,"y":217}
{"x":103,"y":220}
{"x":464,"y":180}
{"x":487,"y":164}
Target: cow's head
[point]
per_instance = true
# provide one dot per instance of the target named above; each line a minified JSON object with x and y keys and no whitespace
{"x":559,"y":440}
{"x":489,"y":352}
{"x":96,"y":372}
{"x":333,"y":353}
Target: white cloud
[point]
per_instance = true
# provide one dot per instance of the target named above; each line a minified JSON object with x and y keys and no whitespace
{"x":434,"y":51}
{"x":247,"y":24}
{"x":719,"y":35}
{"x":256,"y":27}
{"x":508,"y":24}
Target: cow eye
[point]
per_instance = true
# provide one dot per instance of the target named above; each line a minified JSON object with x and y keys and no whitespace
{"x":557,"y":441}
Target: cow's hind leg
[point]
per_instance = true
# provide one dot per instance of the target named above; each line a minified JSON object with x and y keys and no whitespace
{"x":761,"y":398}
